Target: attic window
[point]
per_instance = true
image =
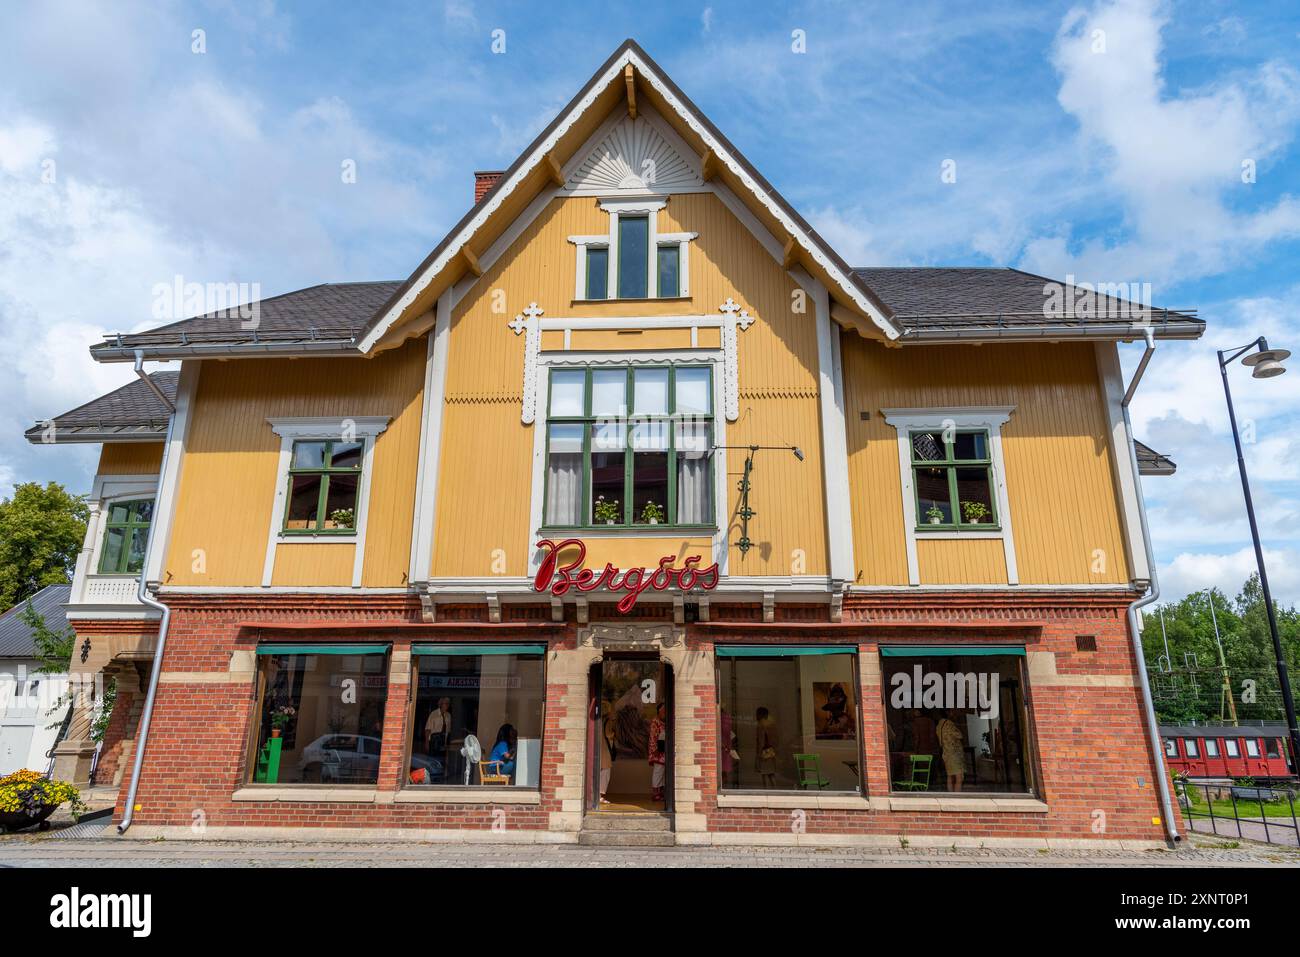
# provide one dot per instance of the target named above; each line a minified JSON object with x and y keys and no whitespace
{"x":633,"y":260}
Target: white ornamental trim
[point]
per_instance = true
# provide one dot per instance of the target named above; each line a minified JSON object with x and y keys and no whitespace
{"x":734,"y":317}
{"x":529,"y":323}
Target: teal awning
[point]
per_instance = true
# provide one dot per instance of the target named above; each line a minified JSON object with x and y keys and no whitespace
{"x":781,"y":651}
{"x":486,"y":648}
{"x":950,"y":651}
{"x":302,"y":649}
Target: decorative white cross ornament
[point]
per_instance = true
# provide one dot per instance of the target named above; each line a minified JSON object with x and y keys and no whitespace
{"x":736,"y":318}
{"x":529,"y":321}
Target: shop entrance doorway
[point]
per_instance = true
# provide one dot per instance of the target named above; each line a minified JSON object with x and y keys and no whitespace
{"x":630,"y":735}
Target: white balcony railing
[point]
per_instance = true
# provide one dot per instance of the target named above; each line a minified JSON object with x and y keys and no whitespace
{"x":109,"y":590}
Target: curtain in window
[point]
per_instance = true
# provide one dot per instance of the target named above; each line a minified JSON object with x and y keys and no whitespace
{"x":564,"y":489}
{"x":692,"y":488}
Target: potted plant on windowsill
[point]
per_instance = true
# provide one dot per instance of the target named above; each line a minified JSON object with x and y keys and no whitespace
{"x":975,"y":513}
{"x":652,"y":513}
{"x":935,"y":514}
{"x":280,"y":719}
{"x":607,"y":513}
{"x":28,"y":798}
{"x":343,"y":517}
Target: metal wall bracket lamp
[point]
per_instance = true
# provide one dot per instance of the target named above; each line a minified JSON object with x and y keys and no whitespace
{"x":744,"y":485}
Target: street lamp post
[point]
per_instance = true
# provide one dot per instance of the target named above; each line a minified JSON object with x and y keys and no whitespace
{"x":1266,"y":363}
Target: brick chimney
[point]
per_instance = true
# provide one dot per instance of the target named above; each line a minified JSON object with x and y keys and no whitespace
{"x":484,"y":180}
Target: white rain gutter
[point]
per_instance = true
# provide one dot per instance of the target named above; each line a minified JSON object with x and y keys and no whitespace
{"x":1153,"y":593}
{"x":146,"y":599}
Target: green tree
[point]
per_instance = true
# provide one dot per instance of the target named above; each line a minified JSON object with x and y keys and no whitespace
{"x":41,"y":531}
{"x":1188,"y":684}
{"x":53,"y":648}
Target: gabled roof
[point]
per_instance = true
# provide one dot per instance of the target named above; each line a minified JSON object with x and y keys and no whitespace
{"x":942,"y":302}
{"x":1151,"y":462}
{"x":415,"y":295}
{"x":132,"y":413}
{"x":323,"y":318}
{"x":16,"y":639}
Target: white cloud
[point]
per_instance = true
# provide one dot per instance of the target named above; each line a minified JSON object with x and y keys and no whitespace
{"x":1173,"y":159}
{"x":1192,"y":571}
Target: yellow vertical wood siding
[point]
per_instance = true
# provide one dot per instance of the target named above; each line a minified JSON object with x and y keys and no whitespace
{"x":1064,"y":508}
{"x":131,"y":458}
{"x":483,"y":526}
{"x":228,"y":479}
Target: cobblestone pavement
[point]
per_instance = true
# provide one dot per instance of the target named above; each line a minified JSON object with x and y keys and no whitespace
{"x":48,"y":851}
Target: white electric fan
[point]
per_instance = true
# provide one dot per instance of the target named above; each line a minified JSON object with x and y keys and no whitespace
{"x":472,"y":752}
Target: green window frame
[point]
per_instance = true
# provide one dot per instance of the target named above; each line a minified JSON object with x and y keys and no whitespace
{"x":328,"y":472}
{"x":668,"y":270}
{"x":597,"y":272}
{"x":960,"y":462}
{"x":625,"y":427}
{"x":126,"y":535}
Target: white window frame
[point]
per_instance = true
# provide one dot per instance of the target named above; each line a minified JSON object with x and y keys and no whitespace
{"x":1192,"y":749}
{"x":1231,"y":748}
{"x":632,"y":207}
{"x":362,"y":428}
{"x":107,"y":490}
{"x":986,"y":418}
{"x":1252,"y":748}
{"x":1171,"y":747}
{"x":1211,"y":748}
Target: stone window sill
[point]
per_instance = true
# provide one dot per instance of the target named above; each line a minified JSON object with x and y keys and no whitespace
{"x":467,"y":796}
{"x":808,"y":801}
{"x":968,"y":805}
{"x":307,"y":794}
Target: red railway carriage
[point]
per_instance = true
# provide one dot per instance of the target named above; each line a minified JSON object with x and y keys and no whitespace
{"x":1224,"y":752}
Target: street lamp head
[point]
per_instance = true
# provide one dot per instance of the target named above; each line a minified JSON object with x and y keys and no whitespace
{"x":1267,"y":363}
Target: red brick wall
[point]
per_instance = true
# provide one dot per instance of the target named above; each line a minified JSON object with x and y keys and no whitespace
{"x":1090,"y":742}
{"x":1091,"y":749}
{"x":197,"y":750}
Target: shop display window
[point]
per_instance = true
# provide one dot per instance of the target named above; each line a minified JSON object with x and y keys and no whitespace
{"x":788,"y":719}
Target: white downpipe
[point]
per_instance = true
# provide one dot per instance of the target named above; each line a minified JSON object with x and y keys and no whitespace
{"x":1153,"y":593}
{"x":142,"y":736}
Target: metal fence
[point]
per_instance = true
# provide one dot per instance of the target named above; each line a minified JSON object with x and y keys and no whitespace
{"x":1240,"y":810}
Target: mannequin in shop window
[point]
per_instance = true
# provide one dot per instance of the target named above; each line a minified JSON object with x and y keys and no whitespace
{"x":437,"y":732}
{"x":953,"y":743}
{"x":609,"y":734}
{"x":503,"y":752}
{"x":730,"y":757}
{"x":765,"y":747}
{"x":658,"y":752}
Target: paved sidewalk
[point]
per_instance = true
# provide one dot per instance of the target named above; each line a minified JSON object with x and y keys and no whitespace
{"x":49,"y":851}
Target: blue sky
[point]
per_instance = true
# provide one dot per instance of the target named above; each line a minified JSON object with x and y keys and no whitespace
{"x":1104,"y":140}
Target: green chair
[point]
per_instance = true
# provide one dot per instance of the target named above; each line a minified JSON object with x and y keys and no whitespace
{"x":809,"y":769}
{"x":920,"y":779}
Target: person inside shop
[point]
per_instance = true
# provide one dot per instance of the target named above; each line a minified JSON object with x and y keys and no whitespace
{"x":730,"y":758}
{"x":609,"y":732}
{"x":765,"y":747}
{"x":437,"y":732}
{"x":503,"y":752}
{"x":953,"y":743}
{"x":658,"y":752}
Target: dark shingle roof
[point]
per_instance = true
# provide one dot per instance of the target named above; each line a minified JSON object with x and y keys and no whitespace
{"x":330,"y":314}
{"x":16,"y":638}
{"x":123,"y":414}
{"x":1151,"y":462}
{"x":930,"y":301}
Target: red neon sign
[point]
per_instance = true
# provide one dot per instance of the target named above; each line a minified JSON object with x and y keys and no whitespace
{"x":559,"y":578}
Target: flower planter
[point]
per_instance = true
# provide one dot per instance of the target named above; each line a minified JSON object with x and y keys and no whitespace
{"x":18,"y":820}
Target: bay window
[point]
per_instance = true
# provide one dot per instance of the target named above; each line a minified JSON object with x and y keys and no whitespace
{"x":126,"y":534}
{"x":629,"y":446}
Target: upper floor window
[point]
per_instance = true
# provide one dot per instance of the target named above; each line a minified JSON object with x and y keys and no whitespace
{"x":126,"y":534}
{"x":953,"y":480}
{"x":629,"y":446}
{"x":323,"y":480}
{"x":633,"y":260}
